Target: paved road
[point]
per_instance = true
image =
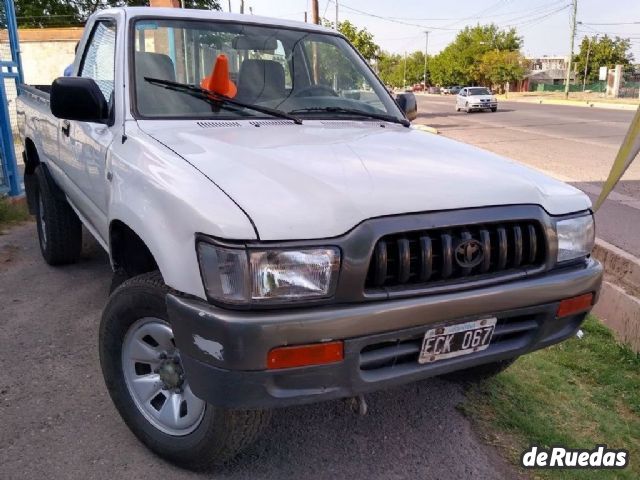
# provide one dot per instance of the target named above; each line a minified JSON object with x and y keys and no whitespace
{"x":575,"y":144}
{"x":58,"y":422}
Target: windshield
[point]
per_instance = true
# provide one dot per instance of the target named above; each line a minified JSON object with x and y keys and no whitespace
{"x":479,"y":91}
{"x":314,"y":74}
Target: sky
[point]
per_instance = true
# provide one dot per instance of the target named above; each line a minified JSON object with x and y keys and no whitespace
{"x":399,"y":25}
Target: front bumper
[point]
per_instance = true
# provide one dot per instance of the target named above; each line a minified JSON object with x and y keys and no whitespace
{"x":484,"y":105}
{"x":224,"y":352}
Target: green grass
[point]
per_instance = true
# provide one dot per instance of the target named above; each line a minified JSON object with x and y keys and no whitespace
{"x":11,"y":213}
{"x":578,"y":394}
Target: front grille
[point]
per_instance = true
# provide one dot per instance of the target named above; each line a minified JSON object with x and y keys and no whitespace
{"x":510,"y":333}
{"x":428,"y":257}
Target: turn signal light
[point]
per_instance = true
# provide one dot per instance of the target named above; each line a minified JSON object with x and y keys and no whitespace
{"x":570,"y":306}
{"x":305,"y":355}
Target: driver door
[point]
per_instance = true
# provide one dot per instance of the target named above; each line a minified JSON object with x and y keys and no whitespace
{"x":84,"y":145}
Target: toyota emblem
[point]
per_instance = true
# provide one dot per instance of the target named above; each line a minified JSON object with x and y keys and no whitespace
{"x":469,"y":253}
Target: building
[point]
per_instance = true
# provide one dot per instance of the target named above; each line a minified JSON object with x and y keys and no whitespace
{"x":551,"y":70}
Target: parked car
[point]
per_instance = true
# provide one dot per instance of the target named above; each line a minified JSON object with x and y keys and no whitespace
{"x":455,"y":90}
{"x":446,"y":90}
{"x":476,"y":98}
{"x":277,"y":243}
{"x":434,"y":90}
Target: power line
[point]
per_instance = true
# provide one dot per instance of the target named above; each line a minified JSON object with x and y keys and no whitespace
{"x":492,"y":15}
{"x":616,"y":23}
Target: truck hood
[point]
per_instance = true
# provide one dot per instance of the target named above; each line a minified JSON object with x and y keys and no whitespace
{"x":320,"y":179}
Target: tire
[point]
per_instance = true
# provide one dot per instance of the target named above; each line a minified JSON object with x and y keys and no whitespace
{"x":466,"y":108}
{"x":457,"y":108}
{"x":207,"y":436}
{"x":59,"y":228}
{"x":479,"y":373}
{"x":494,"y":109}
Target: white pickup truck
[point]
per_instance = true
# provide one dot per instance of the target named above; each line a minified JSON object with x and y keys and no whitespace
{"x":278,"y":232}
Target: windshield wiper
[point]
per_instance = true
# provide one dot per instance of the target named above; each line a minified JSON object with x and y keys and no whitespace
{"x":219,"y":100}
{"x":352,"y":111}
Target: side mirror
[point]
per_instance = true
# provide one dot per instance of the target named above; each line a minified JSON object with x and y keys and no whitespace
{"x":408,"y":104}
{"x":78,"y":98}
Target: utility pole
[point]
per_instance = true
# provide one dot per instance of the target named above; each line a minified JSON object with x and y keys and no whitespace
{"x":305,"y":17}
{"x":426,"y":48}
{"x":336,"y":14}
{"x":315,"y":14}
{"x":229,"y":6}
{"x":241,"y":6}
{"x":573,"y":36}
{"x":404,"y":75}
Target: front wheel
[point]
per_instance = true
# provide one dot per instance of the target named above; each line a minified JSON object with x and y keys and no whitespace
{"x":149,"y":387}
{"x":494,"y":109}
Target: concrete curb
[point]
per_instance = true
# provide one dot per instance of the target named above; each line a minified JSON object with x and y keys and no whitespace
{"x":574,"y":103}
{"x":619,"y":265}
{"x":425,"y":128}
{"x":621,"y":313}
{"x":619,"y":306}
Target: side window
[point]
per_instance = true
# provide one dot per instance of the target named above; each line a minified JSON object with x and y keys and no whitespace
{"x":98,"y":61}
{"x":463,"y":92}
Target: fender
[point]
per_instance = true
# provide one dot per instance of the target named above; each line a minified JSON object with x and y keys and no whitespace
{"x":166,"y":202}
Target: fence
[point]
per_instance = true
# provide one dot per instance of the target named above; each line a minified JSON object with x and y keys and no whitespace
{"x":630,"y":85}
{"x":547,"y":87}
{"x":10,"y":75}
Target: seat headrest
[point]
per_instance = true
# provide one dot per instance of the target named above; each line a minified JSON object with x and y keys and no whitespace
{"x":260,"y":80}
{"x":154,"y":65}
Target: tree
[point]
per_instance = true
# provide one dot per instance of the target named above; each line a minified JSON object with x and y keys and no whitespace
{"x":41,"y":13}
{"x":361,"y":39}
{"x":44,"y":13}
{"x":497,"y":67}
{"x":458,"y":63}
{"x":604,"y":51}
{"x":391,"y":68}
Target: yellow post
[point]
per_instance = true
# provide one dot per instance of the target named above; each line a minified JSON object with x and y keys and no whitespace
{"x":627,"y":153}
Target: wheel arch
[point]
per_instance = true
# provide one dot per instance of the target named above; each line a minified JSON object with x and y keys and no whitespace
{"x":31,"y":161}
{"x":129,"y":253}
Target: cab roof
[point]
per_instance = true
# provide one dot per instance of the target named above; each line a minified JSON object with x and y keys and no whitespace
{"x":188,"y":13}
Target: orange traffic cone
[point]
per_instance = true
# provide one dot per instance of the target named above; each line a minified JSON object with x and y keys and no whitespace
{"x":219,"y":81}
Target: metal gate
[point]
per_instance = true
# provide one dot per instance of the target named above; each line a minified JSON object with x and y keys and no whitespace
{"x":10,"y":77}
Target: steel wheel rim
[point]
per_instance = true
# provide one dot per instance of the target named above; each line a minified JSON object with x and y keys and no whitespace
{"x":152,"y":367}
{"x":43,"y":223}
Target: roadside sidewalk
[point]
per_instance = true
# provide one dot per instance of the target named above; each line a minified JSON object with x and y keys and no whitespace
{"x":613,"y":104}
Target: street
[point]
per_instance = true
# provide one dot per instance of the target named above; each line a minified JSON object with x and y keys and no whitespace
{"x":574,"y":144}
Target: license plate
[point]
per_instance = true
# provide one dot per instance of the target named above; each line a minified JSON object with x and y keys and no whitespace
{"x":456,"y":340}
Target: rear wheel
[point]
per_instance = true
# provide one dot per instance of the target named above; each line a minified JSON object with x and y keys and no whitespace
{"x":494,"y":109}
{"x":59,"y":228}
{"x":149,"y":387}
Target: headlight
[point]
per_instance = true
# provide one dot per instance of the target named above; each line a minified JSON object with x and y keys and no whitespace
{"x":257,"y":276}
{"x":576,"y":237}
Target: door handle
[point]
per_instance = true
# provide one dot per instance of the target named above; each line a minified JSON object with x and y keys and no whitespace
{"x":66,"y":128}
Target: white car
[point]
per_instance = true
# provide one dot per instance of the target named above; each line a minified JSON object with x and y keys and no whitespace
{"x":277,"y":238}
{"x":476,"y":98}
